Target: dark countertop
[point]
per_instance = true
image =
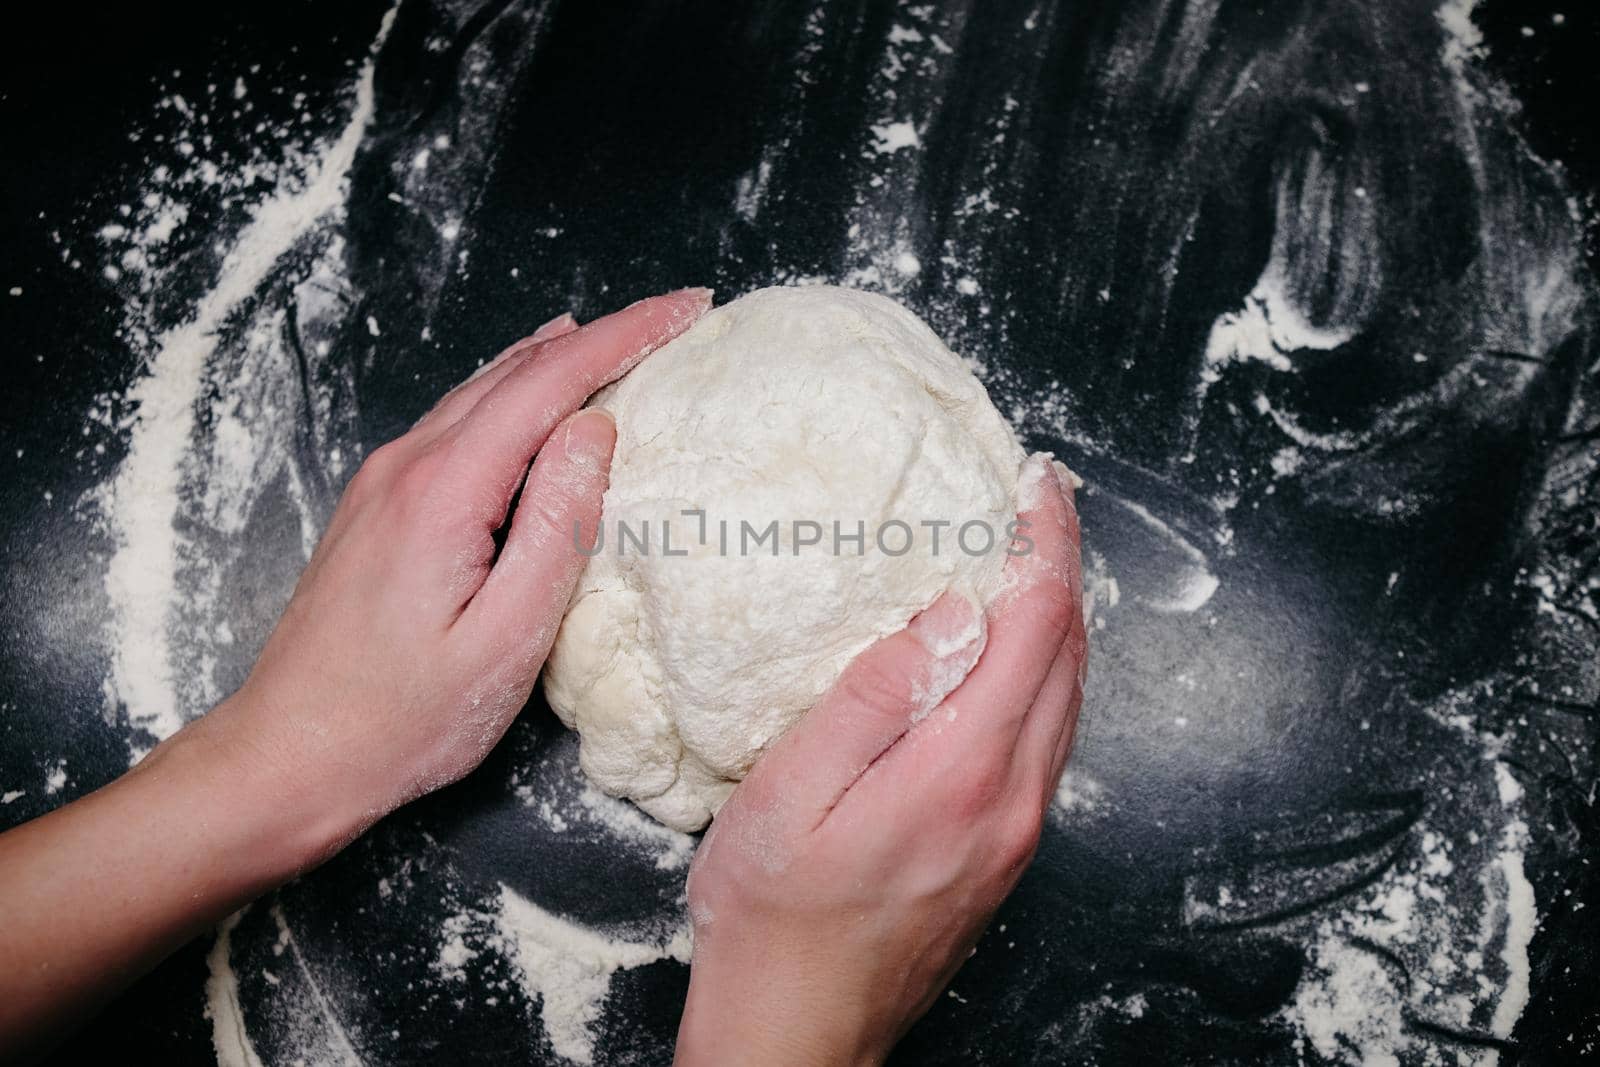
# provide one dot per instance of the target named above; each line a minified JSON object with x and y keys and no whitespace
{"x":1305,"y":292}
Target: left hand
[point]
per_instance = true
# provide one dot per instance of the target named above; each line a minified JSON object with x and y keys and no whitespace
{"x":407,"y":649}
{"x":410,"y":642}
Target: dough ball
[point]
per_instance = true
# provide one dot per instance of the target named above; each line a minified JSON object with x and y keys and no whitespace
{"x":789,"y":405}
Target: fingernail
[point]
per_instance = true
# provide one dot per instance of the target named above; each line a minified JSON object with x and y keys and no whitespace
{"x":591,"y":435}
{"x":949,"y":626}
{"x":558,"y":325}
{"x":698,"y":301}
{"x":1070,"y":482}
{"x":1036,"y":476}
{"x":699,"y":295}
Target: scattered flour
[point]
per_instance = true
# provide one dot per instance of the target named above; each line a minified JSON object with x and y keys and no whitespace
{"x":575,"y":806}
{"x":624,"y":821}
{"x":1521,"y":910}
{"x":569,"y":968}
{"x":299,"y":1013}
{"x":1267,"y":328}
{"x":1078,"y":794}
{"x":893,"y":136}
{"x":163,"y":412}
{"x":229,"y":1036}
{"x":454,"y":953}
{"x":1463,"y":39}
{"x":143,"y":499}
{"x":1397,"y":955}
{"x":1352,"y":1003}
{"x":1350,"y":1006}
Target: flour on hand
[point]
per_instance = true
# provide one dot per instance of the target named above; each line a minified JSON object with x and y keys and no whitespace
{"x":795,"y":477}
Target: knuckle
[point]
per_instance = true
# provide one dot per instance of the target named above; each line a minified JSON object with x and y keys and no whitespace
{"x":372,"y":478}
{"x":1019,"y":837}
{"x":1055,"y":611}
{"x":384,"y":459}
{"x":549,"y":513}
{"x":703,"y":890}
{"x":875,"y":685}
{"x":415,"y":479}
{"x":985,"y":781}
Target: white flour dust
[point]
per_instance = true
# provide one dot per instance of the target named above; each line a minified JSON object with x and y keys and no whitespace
{"x":172,"y":471}
{"x":1398,"y":957}
{"x":569,"y":968}
{"x":622,"y":821}
{"x":563,"y":968}
{"x":196,"y":457}
{"x":143,"y":502}
{"x":299,"y":1013}
{"x":229,"y":1037}
{"x":1351,"y":1004}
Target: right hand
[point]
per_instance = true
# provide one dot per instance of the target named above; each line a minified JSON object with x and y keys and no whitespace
{"x":850,"y":875}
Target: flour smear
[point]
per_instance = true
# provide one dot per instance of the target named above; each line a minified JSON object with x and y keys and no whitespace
{"x":142,"y":503}
{"x":569,"y":968}
{"x":143,"y":500}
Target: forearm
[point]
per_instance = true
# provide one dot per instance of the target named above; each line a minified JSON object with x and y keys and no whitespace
{"x":97,"y":892}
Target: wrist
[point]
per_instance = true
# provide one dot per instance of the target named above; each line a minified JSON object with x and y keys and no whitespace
{"x":752,"y":1020}
{"x":259,"y":803}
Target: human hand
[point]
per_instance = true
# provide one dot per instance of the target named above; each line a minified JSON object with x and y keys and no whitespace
{"x":410,"y":643}
{"x":849,"y":876}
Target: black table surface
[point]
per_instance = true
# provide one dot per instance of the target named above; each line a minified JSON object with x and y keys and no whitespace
{"x":1303,"y":290}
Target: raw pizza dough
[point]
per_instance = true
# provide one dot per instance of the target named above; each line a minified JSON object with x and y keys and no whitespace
{"x":816,"y":403}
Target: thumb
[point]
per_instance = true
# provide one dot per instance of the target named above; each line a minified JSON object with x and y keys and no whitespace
{"x":527,"y":591}
{"x":883,"y":694}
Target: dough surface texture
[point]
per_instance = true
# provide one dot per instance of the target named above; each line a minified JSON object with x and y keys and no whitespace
{"x":789,"y":405}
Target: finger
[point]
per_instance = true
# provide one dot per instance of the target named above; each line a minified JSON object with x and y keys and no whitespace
{"x":485,"y":377}
{"x":526,"y":593}
{"x":1064,"y":743}
{"x":1054,"y":714}
{"x":1070,"y":483}
{"x":1028,"y":626}
{"x":563,"y":323}
{"x":884,"y":692}
{"x":1055,"y":709}
{"x":458,"y":401}
{"x":490,"y":446}
{"x":962,"y":760}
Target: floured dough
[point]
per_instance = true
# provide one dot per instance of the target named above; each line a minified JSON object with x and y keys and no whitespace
{"x":813,"y":404}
